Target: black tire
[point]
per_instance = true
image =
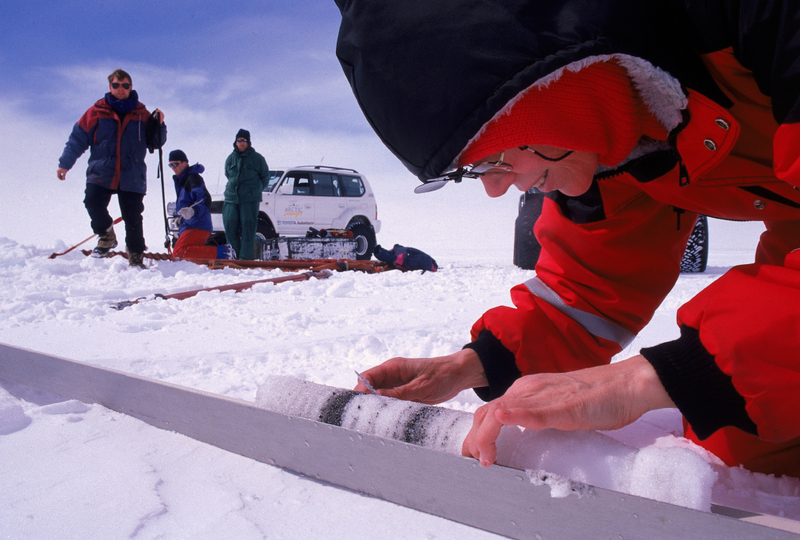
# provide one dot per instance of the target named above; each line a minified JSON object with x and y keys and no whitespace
{"x":695,"y":258}
{"x":264,"y":232}
{"x":364,"y":236}
{"x":526,"y":247}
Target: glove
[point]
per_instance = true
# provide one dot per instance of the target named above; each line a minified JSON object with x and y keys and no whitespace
{"x":186,"y":213}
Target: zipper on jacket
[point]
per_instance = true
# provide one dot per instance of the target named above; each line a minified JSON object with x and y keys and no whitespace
{"x":683,"y":177}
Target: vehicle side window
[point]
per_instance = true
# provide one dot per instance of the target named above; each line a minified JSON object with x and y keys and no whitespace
{"x":324,"y":186}
{"x":351,"y":186}
{"x":296,"y":184}
{"x":274,"y":176}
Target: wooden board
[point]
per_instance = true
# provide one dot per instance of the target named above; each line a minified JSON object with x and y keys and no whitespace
{"x":497,"y":499}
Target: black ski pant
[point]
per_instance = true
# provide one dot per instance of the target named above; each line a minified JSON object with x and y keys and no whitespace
{"x":131,"y":205}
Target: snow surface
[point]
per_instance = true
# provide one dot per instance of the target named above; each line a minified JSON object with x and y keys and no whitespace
{"x":71,"y":470}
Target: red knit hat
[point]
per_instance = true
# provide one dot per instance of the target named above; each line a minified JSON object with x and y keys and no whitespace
{"x":596,"y":109}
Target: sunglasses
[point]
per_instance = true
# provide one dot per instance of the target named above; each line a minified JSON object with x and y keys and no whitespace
{"x":476,"y":171}
{"x":241,"y":140}
{"x":174,"y":164}
{"x":125,"y":85}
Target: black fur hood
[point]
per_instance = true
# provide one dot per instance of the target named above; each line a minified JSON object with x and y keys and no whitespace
{"x":429,"y":75}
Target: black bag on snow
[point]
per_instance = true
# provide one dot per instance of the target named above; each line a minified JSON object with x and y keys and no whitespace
{"x":406,"y":258}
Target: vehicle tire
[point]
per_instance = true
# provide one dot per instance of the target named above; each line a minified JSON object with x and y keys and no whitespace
{"x":526,"y":247}
{"x":695,"y":258}
{"x":364,"y":235}
{"x":264,"y":233}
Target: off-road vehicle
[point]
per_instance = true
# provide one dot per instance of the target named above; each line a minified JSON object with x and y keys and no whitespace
{"x":298,"y":199}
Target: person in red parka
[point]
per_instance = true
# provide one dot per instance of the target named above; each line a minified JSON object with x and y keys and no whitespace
{"x":634,"y":118}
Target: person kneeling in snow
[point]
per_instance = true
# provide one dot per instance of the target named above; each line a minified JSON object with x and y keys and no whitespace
{"x":194,"y":218}
{"x":634,"y":118}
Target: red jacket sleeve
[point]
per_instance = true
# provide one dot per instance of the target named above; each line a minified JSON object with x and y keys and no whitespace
{"x":597,"y":284}
{"x":749,"y":323}
{"x":786,"y":153}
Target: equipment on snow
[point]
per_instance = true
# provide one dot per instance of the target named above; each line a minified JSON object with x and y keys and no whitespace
{"x":154,"y":141}
{"x":297,"y":247}
{"x":54,"y":255}
{"x":151,"y":256}
{"x":338,"y":265}
{"x":502,"y":500}
{"x":237,"y":287}
{"x":406,"y":258}
{"x":424,"y":425}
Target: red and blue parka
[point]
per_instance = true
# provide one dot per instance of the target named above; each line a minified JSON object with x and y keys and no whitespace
{"x":723,"y":79}
{"x":115,"y":131}
{"x":192,"y":193}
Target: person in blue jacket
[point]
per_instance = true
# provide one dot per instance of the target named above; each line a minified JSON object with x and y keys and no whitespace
{"x":194,"y":217}
{"x":115,"y":131}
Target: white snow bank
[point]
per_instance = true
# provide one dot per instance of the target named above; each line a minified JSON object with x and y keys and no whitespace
{"x":55,"y":465}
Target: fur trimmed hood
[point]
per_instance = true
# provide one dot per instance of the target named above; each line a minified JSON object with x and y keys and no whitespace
{"x":437,"y":72}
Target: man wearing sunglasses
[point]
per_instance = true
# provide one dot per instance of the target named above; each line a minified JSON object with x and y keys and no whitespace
{"x":248,"y":175}
{"x":115,"y":131}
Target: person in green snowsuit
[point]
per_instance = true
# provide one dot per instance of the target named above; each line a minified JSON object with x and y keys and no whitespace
{"x":247,"y":174}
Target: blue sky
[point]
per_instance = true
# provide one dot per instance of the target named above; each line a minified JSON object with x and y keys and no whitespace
{"x":268,"y":58}
{"x":212,"y":67}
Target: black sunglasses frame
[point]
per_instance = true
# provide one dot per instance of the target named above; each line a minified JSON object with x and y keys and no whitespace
{"x":469,"y":171}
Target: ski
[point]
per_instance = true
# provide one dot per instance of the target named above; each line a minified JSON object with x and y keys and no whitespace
{"x":54,"y":255}
{"x":236,"y":287}
{"x":498,"y":499}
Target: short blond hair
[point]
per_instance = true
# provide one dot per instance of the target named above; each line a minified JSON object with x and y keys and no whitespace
{"x":120,"y":76}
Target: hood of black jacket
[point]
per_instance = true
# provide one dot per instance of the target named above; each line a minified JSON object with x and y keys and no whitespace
{"x":437,"y":72}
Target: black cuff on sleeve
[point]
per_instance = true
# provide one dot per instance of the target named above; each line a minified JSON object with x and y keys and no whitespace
{"x":499,"y":365}
{"x":704,"y":394}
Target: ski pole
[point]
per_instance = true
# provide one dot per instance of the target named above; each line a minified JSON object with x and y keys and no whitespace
{"x":54,"y":255}
{"x":167,"y":242}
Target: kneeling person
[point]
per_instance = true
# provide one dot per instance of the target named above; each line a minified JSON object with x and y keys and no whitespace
{"x":194,"y":218}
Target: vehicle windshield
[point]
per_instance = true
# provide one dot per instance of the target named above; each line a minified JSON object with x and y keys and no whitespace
{"x":274,"y":176}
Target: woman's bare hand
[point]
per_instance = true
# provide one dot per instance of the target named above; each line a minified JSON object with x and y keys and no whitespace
{"x":604,"y":397}
{"x":426,"y":380}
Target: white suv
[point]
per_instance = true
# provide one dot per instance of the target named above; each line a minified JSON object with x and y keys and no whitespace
{"x":319,"y":197}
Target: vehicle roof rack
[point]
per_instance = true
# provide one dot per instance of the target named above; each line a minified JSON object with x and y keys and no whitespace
{"x":327,"y":167}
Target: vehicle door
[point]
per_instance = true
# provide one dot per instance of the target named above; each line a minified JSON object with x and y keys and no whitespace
{"x":328,"y":205}
{"x":294,"y":204}
{"x":353,"y":192}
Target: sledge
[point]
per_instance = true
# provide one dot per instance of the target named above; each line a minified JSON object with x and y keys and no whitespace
{"x":338,"y":265}
{"x":497,"y":499}
{"x":54,"y":255}
{"x":236,"y":287}
{"x":333,"y":244}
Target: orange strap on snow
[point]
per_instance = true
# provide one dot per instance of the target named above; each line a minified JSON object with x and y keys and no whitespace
{"x":54,"y":255}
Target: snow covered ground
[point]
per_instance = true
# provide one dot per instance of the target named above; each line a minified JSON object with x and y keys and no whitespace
{"x":70,"y":470}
